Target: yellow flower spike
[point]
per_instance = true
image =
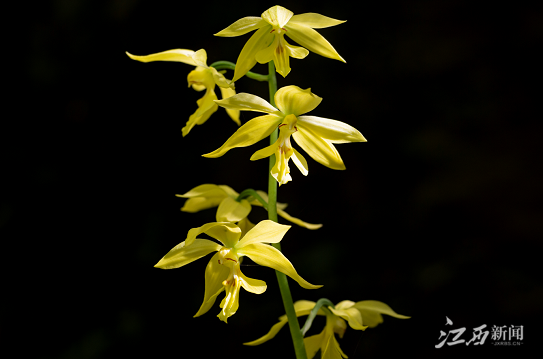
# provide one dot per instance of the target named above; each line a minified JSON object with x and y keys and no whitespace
{"x":315,"y":135}
{"x":223,"y":272}
{"x":229,"y":210}
{"x":201,"y":78}
{"x":268,"y":42}
{"x":367,"y":312}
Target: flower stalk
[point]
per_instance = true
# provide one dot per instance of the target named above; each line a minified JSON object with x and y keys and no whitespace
{"x":295,"y":332}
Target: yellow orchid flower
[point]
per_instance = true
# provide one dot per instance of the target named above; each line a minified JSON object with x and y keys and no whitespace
{"x":203,"y":77}
{"x":316,"y":135}
{"x":360,"y":315}
{"x":229,"y":210}
{"x":223,"y":271}
{"x":268,"y":42}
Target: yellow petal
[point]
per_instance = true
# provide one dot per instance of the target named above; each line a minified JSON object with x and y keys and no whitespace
{"x":178,"y":55}
{"x":267,"y":54}
{"x":234,"y":114}
{"x":313,"y":344}
{"x":204,"y":190}
{"x":227,"y":233}
{"x":315,"y":21}
{"x":251,"y":132}
{"x":197,"y":204}
{"x":230,"y":303}
{"x":200,"y":58}
{"x":267,"y":256}
{"x":266,"y":231}
{"x":297,"y":52}
{"x":352,"y":315}
{"x":271,"y":334}
{"x":300,"y":162}
{"x":203,"y":197}
{"x":231,"y":210}
{"x":335,"y":131}
{"x":220,"y":80}
{"x":281,"y":58}
{"x":262,"y":38}
{"x":206,"y":108}
{"x":215,"y":274}
{"x":371,"y":311}
{"x":293,"y":100}
{"x":247,"y":102}
{"x":181,"y":254}
{"x":319,"y":149}
{"x":245,"y":225}
{"x":280,"y":170}
{"x":255,"y":286}
{"x":242,"y":26}
{"x":297,"y":221}
{"x":312,"y":40}
{"x":265,"y":152}
{"x":277,"y":16}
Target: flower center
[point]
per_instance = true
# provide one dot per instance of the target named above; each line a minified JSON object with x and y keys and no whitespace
{"x":287,"y":128}
{"x":201,"y":77}
{"x":228,"y":257}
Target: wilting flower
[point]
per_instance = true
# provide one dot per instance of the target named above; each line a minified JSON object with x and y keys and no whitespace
{"x":229,"y":210}
{"x":223,"y":271}
{"x":360,"y":315}
{"x":316,"y":135}
{"x":268,"y":42}
{"x":203,"y":77}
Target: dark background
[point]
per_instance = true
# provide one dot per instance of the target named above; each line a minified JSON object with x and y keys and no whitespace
{"x":438,"y":214}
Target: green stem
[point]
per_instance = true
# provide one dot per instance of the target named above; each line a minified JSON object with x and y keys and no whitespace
{"x":227,"y":65}
{"x":295,"y":332}
{"x":252,"y":193}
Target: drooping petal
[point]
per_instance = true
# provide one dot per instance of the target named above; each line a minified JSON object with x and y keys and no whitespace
{"x":293,"y":100}
{"x":267,"y":54}
{"x":177,"y":55}
{"x":277,"y":16}
{"x":181,"y":254}
{"x":371,"y":311}
{"x":200,"y":58}
{"x":242,"y":26}
{"x":319,"y":149}
{"x":220,"y":80}
{"x":206,"y":108}
{"x":267,"y":256}
{"x":197,"y":204}
{"x":251,"y":132}
{"x":335,"y":131}
{"x":231,"y":210}
{"x":227,"y":233}
{"x":271,"y":334}
{"x":297,"y":52}
{"x":352,"y":315}
{"x":230,"y":303}
{"x":255,"y":286}
{"x":314,"y":20}
{"x":313,"y":343}
{"x":332,"y":349}
{"x":266,"y":231}
{"x":280,"y":170}
{"x":247,"y":102}
{"x":300,"y":162}
{"x":311,"y":40}
{"x":204,"y":190}
{"x":297,"y":221}
{"x":214,"y":276}
{"x":262,"y":38}
{"x":234,"y":114}
{"x":245,"y":225}
{"x":265,"y":152}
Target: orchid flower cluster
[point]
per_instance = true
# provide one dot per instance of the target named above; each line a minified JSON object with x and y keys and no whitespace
{"x":285,"y":116}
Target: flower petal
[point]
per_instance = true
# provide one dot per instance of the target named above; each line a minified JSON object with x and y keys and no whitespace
{"x":265,"y":152}
{"x":314,"y":20}
{"x":231,"y":210}
{"x":277,"y":16}
{"x":371,"y":311}
{"x":335,"y":131}
{"x":280,"y":170}
{"x":255,"y":286}
{"x":312,"y":40}
{"x":215,"y":274}
{"x":297,"y":52}
{"x":297,"y":221}
{"x":181,"y":254}
{"x":242,"y":26}
{"x":202,"y":197}
{"x":247,"y":102}
{"x":293,"y":100}
{"x":251,"y":132}
{"x":352,"y":315}
{"x":234,"y":114}
{"x":220,"y":80}
{"x":268,"y":256}
{"x":206,"y":108}
{"x":200,"y":58}
{"x":230,"y":302}
{"x":227,"y":233}
{"x":245,"y":225}
{"x":247,"y":58}
{"x":177,"y":55}
{"x":319,"y":149}
{"x":267,"y":54}
{"x":266,"y":231}
{"x":300,"y":162}
{"x":281,"y":58}
{"x":313,"y":344}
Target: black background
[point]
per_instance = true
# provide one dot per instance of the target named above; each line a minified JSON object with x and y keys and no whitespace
{"x":438,"y":214}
